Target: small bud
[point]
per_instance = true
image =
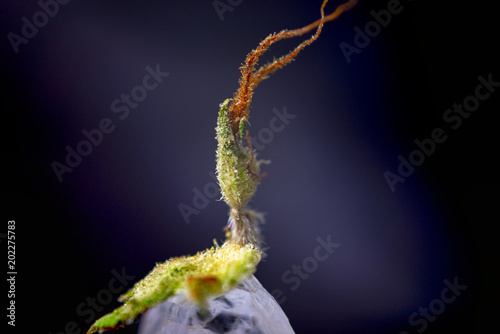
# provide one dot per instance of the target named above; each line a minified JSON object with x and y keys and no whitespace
{"x":237,"y":168}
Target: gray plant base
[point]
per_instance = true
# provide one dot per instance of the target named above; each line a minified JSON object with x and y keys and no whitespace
{"x":248,"y":309}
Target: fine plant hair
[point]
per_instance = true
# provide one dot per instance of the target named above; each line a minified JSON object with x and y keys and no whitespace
{"x":250,"y":77}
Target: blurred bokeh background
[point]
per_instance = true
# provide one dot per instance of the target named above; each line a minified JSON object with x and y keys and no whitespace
{"x":118,"y":209}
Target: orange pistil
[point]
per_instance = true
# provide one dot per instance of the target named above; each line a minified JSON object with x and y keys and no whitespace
{"x":250,"y":77}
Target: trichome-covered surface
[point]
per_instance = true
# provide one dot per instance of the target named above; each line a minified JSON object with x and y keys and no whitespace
{"x":206,"y":274}
{"x":220,"y":269}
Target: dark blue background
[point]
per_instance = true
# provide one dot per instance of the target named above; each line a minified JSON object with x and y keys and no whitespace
{"x":119,"y":207}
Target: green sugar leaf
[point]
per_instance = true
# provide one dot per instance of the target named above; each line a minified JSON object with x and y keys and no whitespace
{"x":207,"y":274}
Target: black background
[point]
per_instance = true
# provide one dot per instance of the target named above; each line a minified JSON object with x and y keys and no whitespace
{"x":119,"y":207}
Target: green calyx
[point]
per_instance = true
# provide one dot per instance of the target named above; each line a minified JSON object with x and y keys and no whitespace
{"x":237,"y":168}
